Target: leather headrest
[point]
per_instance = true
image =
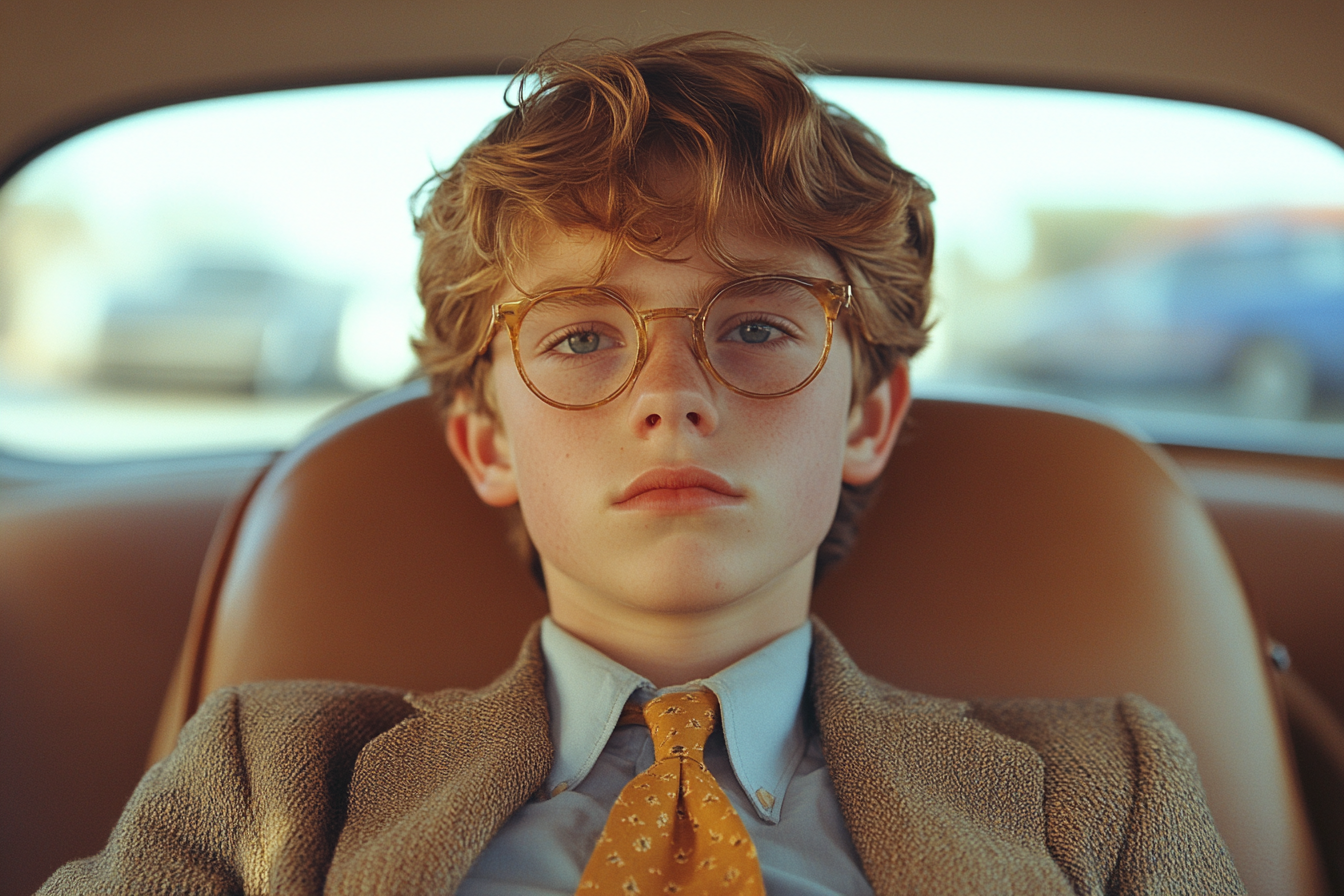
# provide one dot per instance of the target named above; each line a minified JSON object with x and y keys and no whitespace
{"x":1011,"y":552}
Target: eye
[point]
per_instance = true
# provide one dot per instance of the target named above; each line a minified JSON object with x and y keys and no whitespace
{"x":755,"y":332}
{"x":582,"y":339}
{"x":756,"y":329}
{"x":580,"y":343}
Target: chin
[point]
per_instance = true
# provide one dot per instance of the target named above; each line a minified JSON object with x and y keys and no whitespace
{"x":680,"y":596}
{"x":701,"y":581}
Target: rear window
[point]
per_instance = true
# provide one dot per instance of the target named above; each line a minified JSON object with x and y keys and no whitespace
{"x":217,"y":275}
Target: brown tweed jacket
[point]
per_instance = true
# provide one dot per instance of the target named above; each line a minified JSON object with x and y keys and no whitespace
{"x":311,"y":787}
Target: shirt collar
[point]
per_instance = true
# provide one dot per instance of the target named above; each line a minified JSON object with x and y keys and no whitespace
{"x":760,"y":697}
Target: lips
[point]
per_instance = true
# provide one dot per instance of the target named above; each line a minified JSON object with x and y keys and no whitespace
{"x":679,"y":488}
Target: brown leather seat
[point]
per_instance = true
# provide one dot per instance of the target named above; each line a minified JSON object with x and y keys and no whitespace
{"x":1012,"y":552}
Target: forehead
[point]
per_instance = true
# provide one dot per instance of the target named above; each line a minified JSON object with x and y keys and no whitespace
{"x":554,"y":258}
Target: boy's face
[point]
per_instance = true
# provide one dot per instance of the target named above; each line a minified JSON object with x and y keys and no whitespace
{"x":680,"y":496}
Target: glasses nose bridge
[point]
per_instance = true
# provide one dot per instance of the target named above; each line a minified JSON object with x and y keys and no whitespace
{"x":688,"y":312}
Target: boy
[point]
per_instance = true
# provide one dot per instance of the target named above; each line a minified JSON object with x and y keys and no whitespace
{"x":669,"y":301}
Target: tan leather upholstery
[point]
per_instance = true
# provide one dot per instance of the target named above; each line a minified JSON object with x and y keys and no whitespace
{"x":1318,"y":742}
{"x":1282,"y":519}
{"x":1283,"y":523}
{"x":96,"y":577}
{"x":1012,"y":552}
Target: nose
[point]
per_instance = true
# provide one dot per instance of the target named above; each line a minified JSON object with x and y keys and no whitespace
{"x":674,"y":391}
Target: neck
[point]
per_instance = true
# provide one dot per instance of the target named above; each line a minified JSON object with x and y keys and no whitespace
{"x":674,"y":647}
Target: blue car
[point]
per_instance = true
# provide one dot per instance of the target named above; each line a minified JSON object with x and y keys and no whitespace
{"x":1253,"y":308}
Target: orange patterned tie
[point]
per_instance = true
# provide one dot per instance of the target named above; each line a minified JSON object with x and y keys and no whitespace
{"x":672,"y":829}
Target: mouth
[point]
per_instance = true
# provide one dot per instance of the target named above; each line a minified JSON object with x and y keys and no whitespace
{"x":678,"y":490}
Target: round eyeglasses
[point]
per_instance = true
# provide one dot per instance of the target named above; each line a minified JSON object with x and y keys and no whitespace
{"x":762,"y":337}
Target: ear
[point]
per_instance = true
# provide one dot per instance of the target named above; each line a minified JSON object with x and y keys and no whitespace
{"x":874,"y":424}
{"x":477,"y":441}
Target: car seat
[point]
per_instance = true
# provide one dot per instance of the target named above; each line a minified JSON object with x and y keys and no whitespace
{"x":1012,"y":551}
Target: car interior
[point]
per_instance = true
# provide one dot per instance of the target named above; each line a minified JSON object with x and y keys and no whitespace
{"x":1023,"y":544}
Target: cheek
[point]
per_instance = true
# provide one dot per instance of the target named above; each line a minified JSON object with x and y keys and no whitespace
{"x":802,"y":457}
{"x":818,"y":489}
{"x":552,"y":453}
{"x":547,"y":496}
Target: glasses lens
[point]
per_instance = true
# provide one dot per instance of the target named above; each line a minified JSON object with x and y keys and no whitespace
{"x":577,"y":347}
{"x":765,"y":336}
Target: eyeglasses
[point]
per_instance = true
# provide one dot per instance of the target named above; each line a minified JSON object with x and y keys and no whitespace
{"x":763,"y":337}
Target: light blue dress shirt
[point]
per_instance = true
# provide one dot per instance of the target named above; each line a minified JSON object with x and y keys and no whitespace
{"x":767,"y":762}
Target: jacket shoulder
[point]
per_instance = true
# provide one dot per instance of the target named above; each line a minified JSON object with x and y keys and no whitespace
{"x":1122,"y":792}
{"x":1108,"y":786}
{"x":1103,"y":742}
{"x":337,"y":710}
{"x":292,"y":722}
{"x":1091,"y":730}
{"x":254,"y":760}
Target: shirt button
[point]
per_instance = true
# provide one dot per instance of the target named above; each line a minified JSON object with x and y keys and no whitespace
{"x":766,"y":798}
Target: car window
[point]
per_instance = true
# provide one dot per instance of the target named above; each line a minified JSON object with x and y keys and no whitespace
{"x":217,"y":275}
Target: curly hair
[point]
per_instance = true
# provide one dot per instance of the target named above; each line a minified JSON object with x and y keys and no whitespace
{"x":591,"y":136}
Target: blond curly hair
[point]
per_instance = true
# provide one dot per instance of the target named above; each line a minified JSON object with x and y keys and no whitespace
{"x":593,"y":131}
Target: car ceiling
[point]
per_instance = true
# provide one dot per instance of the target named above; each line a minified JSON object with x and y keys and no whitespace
{"x":64,"y":66}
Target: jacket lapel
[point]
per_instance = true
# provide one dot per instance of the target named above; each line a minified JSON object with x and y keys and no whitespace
{"x":935,"y":801}
{"x":427,"y":795}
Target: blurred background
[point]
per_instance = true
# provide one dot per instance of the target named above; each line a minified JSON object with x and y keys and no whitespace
{"x":217,"y":275}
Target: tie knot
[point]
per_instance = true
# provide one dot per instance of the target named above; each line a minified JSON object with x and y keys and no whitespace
{"x":680,"y":723}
